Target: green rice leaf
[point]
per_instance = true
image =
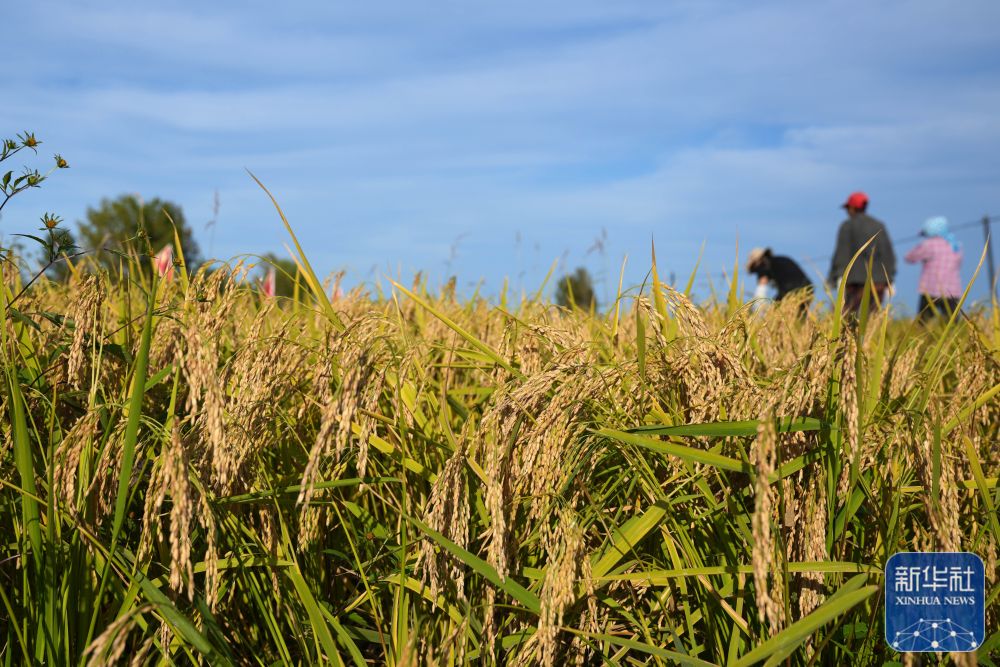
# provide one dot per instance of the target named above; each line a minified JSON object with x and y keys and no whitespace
{"x":515,"y":590}
{"x":794,"y":635}
{"x":681,"y":451}
{"x":746,"y":428}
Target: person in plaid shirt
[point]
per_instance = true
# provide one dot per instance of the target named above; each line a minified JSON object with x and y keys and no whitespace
{"x":941,"y":255}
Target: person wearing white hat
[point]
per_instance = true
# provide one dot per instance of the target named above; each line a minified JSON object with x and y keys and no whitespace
{"x":777,"y":271}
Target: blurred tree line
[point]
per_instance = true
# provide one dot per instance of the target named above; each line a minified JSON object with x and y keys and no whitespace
{"x":576,"y":290}
{"x":114,"y":224}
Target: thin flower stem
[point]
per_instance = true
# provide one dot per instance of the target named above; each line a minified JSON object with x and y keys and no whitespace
{"x":38,"y":275}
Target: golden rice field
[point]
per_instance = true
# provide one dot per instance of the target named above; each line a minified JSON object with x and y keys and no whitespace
{"x":191,"y":473}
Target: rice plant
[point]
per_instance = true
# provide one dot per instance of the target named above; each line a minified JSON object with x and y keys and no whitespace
{"x":195,"y":472}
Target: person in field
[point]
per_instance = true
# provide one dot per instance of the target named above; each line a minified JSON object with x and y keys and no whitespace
{"x":940,"y":257}
{"x":777,"y":271}
{"x":854,"y":233}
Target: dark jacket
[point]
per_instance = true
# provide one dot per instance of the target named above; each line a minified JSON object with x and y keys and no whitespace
{"x":782,"y":272}
{"x":854,"y":233}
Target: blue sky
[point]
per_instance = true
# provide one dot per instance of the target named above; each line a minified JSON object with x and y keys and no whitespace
{"x":490,"y":139}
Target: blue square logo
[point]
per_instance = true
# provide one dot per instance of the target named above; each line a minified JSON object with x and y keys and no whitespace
{"x":935,"y":602}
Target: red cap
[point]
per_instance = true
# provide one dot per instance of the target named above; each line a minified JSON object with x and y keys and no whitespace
{"x":857,"y":200}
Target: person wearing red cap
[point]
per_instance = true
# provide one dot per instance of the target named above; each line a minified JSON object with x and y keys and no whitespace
{"x":855,"y":232}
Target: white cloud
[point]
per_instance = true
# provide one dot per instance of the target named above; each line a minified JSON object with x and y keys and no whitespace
{"x":396,"y":127}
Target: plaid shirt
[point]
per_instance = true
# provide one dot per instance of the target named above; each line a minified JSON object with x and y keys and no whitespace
{"x":939,"y":276}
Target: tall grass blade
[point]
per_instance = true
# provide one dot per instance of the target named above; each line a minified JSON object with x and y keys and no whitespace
{"x":134,"y":418}
{"x":475,"y":342}
{"x":694,"y":272}
{"x":303,"y":262}
{"x":672,"y":657}
{"x":690,"y":454}
{"x":746,"y":428}
{"x":515,"y":590}
{"x":545,"y":281}
{"x":794,"y":635}
{"x":626,"y":537}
